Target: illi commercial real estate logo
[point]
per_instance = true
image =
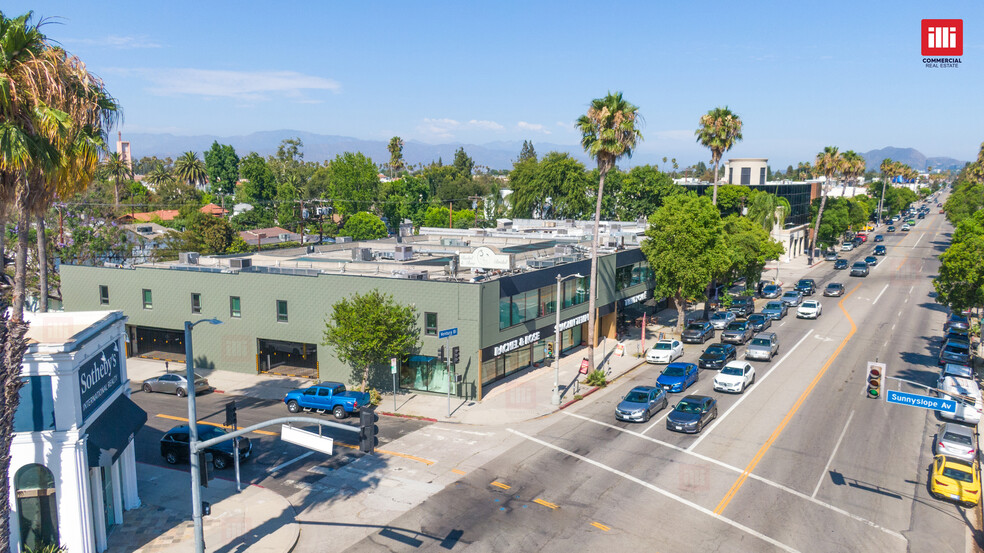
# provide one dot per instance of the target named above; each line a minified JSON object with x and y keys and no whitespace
{"x":942,"y":42}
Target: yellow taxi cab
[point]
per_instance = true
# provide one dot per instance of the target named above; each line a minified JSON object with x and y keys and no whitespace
{"x":869,"y":227}
{"x":955,"y":479}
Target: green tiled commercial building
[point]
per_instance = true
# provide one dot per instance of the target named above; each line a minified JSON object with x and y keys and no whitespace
{"x":496,"y":287}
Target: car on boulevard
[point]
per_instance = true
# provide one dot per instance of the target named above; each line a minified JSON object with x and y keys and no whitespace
{"x":834,"y":289}
{"x":722,"y":319}
{"x":880,"y":250}
{"x":806,"y":286}
{"x":734,"y":377}
{"x":954,"y":352}
{"x":861,"y":236}
{"x":955,"y":479}
{"x":742,"y":306}
{"x":871,"y":260}
{"x":692,"y":414}
{"x":716,"y":356}
{"x":775,"y":309}
{"x":770,"y":291}
{"x":764,"y":346}
{"x":847,"y":246}
{"x":810,"y":309}
{"x":953,"y":369}
{"x":956,"y":321}
{"x":859,"y":269}
{"x":957,"y":335}
{"x":737,"y":332}
{"x":954,"y":440}
{"x":968,"y":397}
{"x":891,"y":228}
{"x":792,"y":298}
{"x":665,"y":351}
{"x":677,"y":377}
{"x":879,"y":238}
{"x":905,"y":227}
{"x":174,"y":383}
{"x":759,"y":321}
{"x":830,"y":256}
{"x":326,"y":397}
{"x":641,"y":403}
{"x":840,"y":264}
{"x":697,"y":332}
{"x":175,"y":446}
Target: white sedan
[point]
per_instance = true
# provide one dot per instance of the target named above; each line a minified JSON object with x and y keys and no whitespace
{"x":665,"y":351}
{"x":809,"y":309}
{"x":734,"y":377}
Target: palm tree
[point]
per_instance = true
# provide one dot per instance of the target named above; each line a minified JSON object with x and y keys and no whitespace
{"x":829,"y":163}
{"x":609,"y":130}
{"x":719,"y":130}
{"x":116,"y":168}
{"x":768,"y":210}
{"x":190,"y":169}
{"x":853,"y":167}
{"x":159,"y":176}
{"x":395,"y":148}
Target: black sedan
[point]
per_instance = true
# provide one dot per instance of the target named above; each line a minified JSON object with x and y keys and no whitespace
{"x":956,"y":321}
{"x":840,"y":264}
{"x":175,"y":449}
{"x":759,"y":321}
{"x":880,"y":250}
{"x":692,"y":414}
{"x":697,"y":332}
{"x":806,"y":286}
{"x":871,"y":260}
{"x":716,"y":355}
{"x":879,"y":238}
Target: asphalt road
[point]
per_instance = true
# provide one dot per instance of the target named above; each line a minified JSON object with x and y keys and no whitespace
{"x":283,"y":467}
{"x":801,"y":461}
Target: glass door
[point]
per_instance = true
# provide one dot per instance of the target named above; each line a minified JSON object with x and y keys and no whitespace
{"x":109,"y":498}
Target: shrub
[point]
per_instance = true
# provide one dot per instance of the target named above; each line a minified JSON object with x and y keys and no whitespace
{"x":596,"y":378}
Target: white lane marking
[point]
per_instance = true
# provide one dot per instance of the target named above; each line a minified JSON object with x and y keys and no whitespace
{"x":753,"y":476}
{"x":705,"y":432}
{"x":668,"y":408}
{"x":823,"y":474}
{"x":879,"y":295}
{"x":917,"y":241}
{"x":782,"y":323}
{"x":910,"y":289}
{"x":660,"y":491}
{"x":291,"y":462}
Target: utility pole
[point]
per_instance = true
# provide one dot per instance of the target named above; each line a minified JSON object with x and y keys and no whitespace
{"x":301,"y":215}
{"x":475,"y":200}
{"x":450,"y":213}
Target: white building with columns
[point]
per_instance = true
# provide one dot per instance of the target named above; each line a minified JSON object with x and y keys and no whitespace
{"x":73,"y":466}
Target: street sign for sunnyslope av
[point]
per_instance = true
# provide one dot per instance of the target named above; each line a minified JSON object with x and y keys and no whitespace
{"x":926,"y":402}
{"x":448,"y":333}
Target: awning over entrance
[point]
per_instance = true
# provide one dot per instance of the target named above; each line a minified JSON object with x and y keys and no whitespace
{"x":113,"y":430}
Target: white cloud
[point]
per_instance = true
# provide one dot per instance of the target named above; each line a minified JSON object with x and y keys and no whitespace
{"x":438,"y":128}
{"x":488,"y":125}
{"x":536,"y":127}
{"x":242,"y":85}
{"x":117,"y":41}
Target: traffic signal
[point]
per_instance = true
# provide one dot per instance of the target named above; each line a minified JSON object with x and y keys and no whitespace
{"x":455,"y":357}
{"x":440,"y":354}
{"x":231,"y":413}
{"x":204,"y":468}
{"x":368,"y":430}
{"x":874,"y":381}
{"x":549,"y":349}
{"x":206,"y":508}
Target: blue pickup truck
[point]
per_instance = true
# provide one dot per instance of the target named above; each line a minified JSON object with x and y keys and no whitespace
{"x":326,"y":397}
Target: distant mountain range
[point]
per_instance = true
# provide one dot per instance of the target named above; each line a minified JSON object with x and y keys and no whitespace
{"x":494,"y":155}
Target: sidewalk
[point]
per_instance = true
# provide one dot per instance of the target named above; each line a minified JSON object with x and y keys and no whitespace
{"x":255,"y":520}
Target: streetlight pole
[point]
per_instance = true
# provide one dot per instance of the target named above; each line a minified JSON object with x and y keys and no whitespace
{"x":196,"y":490}
{"x":555,"y":397}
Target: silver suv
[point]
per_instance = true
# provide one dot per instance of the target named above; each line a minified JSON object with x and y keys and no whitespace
{"x":764,"y":346}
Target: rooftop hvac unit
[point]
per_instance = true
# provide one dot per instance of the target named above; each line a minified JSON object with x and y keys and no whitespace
{"x":343,"y":240}
{"x":403,"y":253}
{"x":145,"y":230}
{"x":240,"y":262}
{"x":564,"y":250}
{"x":541,"y":263}
{"x":417,"y":275}
{"x":283,"y":237}
{"x":361,"y":254}
{"x":191,"y":258}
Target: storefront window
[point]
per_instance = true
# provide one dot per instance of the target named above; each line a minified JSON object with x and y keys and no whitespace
{"x":36,"y":412}
{"x":505,"y":312}
{"x":548,"y":300}
{"x":630,"y":275}
{"x":425,"y":373}
{"x":36,"y":507}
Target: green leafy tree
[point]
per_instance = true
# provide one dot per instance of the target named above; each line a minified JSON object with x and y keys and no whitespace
{"x":437,"y":216}
{"x":463,"y":164}
{"x":960,"y":282}
{"x":732,"y":198}
{"x":719,"y":130}
{"x":527,"y":153}
{"x":288,"y":205}
{"x":222,"y":166}
{"x":749,"y":247}
{"x":767,"y":210}
{"x":404,"y":198}
{"x":563,"y":179}
{"x":354,"y":183}
{"x":367,"y":330}
{"x":259,"y":185}
{"x":258,"y":217}
{"x":188,"y":168}
{"x":685,"y":248}
{"x":395,"y":148}
{"x":364,"y":226}
{"x":527,"y":197}
{"x":117,"y":169}
{"x":644,"y":189}
{"x":238,"y":245}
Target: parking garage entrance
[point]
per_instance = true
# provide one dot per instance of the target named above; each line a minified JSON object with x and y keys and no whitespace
{"x":287,"y":358}
{"x":157,"y":343}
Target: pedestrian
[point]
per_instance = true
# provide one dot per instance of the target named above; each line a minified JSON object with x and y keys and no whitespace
{"x":166,"y":368}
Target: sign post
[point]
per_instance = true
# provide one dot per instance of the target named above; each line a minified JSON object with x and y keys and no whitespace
{"x":448,"y":333}
{"x":584,"y":366}
{"x":393,"y":361}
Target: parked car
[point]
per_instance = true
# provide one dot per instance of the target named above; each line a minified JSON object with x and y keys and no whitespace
{"x":871,"y":260}
{"x":880,"y":250}
{"x":861,"y":236}
{"x":830,"y":256}
{"x":806,"y":286}
{"x":692,"y":414}
{"x":953,"y":369}
{"x":905,"y":227}
{"x":957,"y":335}
{"x":792,"y":298}
{"x":722,"y":319}
{"x":840,"y":264}
{"x":954,"y":352}
{"x":954,"y":440}
{"x":737,"y":332}
{"x":677,"y":377}
{"x":742,"y":306}
{"x":175,"y":448}
{"x":174,"y":383}
{"x":665,"y":351}
{"x":326,"y":397}
{"x":771,"y":291}
{"x":640,"y":403}
{"x":764,"y":346}
{"x":734,"y":377}
{"x":716,"y":355}
{"x":968,"y":397}
{"x":891,"y":228}
{"x":859,"y":269}
{"x":697,"y":332}
{"x":775,"y":309}
{"x":955,"y":479}
{"x":834,"y":289}
{"x":879,"y":238}
{"x":759,"y":321}
{"x":956,"y":320}
{"x":810,"y":309}
{"x":847,"y":246}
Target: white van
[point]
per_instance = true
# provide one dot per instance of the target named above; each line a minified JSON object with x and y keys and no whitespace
{"x":967,"y":412}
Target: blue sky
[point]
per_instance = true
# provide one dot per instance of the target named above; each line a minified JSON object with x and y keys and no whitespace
{"x":801,"y":75}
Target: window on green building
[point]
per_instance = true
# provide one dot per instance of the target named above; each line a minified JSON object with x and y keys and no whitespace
{"x":430,"y":324}
{"x":281,"y":311}
{"x":196,"y":303}
{"x":103,"y":294}
{"x":148,"y":299}
{"x":234,"y":309}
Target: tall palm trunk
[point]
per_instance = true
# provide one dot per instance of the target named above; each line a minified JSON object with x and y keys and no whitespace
{"x":593,"y":283}
{"x":714,"y":198}
{"x":116,"y":192}
{"x":42,"y":266}
{"x":20,"y":267}
{"x":816,"y":226}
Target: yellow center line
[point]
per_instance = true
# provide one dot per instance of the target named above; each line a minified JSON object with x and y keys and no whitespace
{"x":427,"y":462}
{"x":601,"y":526}
{"x":782,"y":425}
{"x":498,"y":484}
{"x":456,"y":471}
{"x":182,"y":419}
{"x":546,"y":503}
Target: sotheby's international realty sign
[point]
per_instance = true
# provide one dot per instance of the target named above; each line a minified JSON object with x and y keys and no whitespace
{"x":99,"y":377}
